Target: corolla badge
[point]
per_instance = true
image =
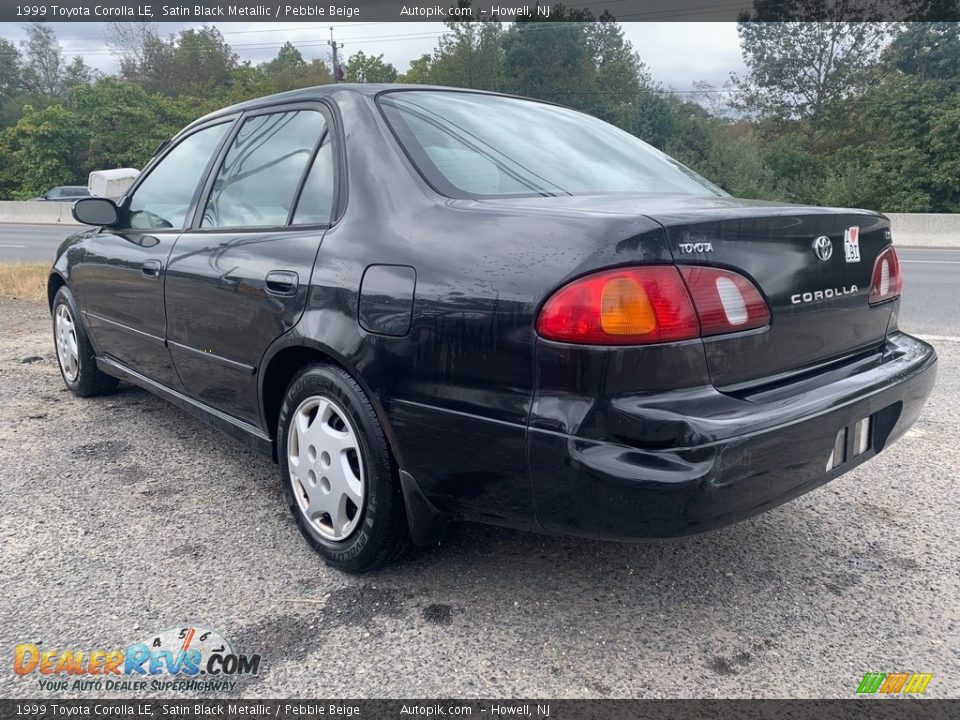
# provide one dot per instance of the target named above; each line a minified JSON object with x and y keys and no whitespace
{"x":823,"y":248}
{"x":825,"y":294}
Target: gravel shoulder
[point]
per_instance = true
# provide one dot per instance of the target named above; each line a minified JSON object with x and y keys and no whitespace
{"x":123,"y":515}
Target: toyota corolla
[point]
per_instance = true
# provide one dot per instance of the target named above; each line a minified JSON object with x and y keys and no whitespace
{"x":432,"y":305}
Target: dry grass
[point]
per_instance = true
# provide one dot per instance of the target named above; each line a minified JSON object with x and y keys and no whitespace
{"x":24,"y":281}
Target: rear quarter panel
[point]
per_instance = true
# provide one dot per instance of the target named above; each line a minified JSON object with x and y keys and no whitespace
{"x":455,"y":393}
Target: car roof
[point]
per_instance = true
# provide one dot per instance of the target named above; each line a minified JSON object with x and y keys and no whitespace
{"x":321,"y":91}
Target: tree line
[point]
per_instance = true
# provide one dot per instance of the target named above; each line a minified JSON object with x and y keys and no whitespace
{"x":856,"y":114}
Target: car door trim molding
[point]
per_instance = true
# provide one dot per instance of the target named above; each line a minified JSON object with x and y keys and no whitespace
{"x":246,"y":433}
{"x":207,"y":355}
{"x":120,"y":326}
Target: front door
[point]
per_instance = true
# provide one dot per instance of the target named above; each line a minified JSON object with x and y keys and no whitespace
{"x":239,"y":278}
{"x":121,"y":283}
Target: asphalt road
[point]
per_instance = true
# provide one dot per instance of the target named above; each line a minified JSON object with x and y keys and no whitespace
{"x":123,"y":516}
{"x":31,"y":243}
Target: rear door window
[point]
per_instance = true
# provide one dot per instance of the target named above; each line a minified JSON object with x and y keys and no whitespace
{"x":315,"y":206}
{"x":257,"y":183}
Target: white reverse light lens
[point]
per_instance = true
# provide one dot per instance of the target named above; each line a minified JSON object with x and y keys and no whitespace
{"x":839,"y":455}
{"x":861,"y":435}
{"x":884,"y":277}
{"x":732,"y":301}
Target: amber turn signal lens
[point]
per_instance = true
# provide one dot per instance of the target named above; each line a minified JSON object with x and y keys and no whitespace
{"x":625,"y":308}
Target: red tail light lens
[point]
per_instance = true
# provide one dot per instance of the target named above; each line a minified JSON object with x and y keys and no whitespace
{"x":725,"y":301}
{"x":637,"y":306}
{"x":887,"y":282}
{"x":629,"y":306}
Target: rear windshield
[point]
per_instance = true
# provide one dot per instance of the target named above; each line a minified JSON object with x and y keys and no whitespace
{"x":470,"y":145}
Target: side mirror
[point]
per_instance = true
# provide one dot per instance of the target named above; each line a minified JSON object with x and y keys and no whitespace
{"x":96,"y":211}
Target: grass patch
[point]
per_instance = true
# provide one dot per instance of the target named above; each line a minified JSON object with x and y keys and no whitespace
{"x":24,"y":281}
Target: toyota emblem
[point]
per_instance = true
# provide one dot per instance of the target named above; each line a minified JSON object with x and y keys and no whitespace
{"x":823,"y":248}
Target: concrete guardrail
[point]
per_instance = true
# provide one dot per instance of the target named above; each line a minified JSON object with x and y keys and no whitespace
{"x":909,"y":229}
{"x":36,"y":213}
{"x":925,"y":230}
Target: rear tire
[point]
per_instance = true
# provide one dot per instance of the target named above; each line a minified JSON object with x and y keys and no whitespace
{"x":337,"y":472}
{"x":75,"y":356}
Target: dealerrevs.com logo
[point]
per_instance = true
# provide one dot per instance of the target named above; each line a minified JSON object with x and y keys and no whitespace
{"x":179,"y":659}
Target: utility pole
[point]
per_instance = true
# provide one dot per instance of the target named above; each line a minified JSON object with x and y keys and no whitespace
{"x":336,"y":63}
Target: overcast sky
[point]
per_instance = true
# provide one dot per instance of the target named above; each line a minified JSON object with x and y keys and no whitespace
{"x":678,"y":54}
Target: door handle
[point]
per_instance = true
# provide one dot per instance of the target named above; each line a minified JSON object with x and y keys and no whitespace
{"x":151,"y":268}
{"x":282,"y":282}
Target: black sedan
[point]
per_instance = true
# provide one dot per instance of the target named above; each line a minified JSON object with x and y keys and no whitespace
{"x":432,"y":305}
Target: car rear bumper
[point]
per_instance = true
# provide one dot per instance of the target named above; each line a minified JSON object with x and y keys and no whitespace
{"x":738,"y":455}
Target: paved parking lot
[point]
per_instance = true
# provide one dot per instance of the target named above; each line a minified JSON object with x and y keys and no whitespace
{"x":123,"y":516}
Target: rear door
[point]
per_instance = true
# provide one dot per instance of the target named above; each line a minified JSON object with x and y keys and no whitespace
{"x":813,"y":267}
{"x":239,"y":277}
{"x":121,"y":278}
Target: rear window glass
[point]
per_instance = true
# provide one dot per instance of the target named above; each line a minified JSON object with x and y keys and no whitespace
{"x":473,"y":145}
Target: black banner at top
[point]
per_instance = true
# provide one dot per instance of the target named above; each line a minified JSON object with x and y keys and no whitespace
{"x":221,"y":11}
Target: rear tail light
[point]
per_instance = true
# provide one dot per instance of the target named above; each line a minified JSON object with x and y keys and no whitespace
{"x":725,"y":301}
{"x":636,"y":306}
{"x":630,"y":306}
{"x":887,"y":282}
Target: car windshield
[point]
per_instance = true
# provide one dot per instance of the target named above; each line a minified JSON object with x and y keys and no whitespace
{"x":470,"y":145}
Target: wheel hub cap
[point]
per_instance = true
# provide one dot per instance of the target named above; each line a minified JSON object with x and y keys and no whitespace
{"x":326,"y":467}
{"x":68,"y":352}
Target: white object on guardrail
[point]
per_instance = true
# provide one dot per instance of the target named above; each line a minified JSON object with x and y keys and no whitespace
{"x":111,"y":184}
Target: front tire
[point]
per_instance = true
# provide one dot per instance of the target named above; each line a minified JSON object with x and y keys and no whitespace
{"x":78,"y":364}
{"x":337,"y":472}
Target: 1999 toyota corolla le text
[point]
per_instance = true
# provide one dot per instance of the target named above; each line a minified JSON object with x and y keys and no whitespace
{"x":433,"y":305}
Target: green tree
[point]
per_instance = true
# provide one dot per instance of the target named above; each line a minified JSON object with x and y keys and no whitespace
{"x":46,"y":149}
{"x":129,"y":41}
{"x":625,"y":92}
{"x":288,"y":58}
{"x":550,"y":61}
{"x":803,"y":71}
{"x":124,"y":124}
{"x":196,"y":62}
{"x":10,"y":82}
{"x":287,"y":71}
{"x":42,"y":72}
{"x":469,"y":54}
{"x":365,"y":68}
{"x":928,"y":51}
{"x":420,"y":71}
{"x":77,"y":73}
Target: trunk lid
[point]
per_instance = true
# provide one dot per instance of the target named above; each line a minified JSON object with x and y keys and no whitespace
{"x":817,"y":295}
